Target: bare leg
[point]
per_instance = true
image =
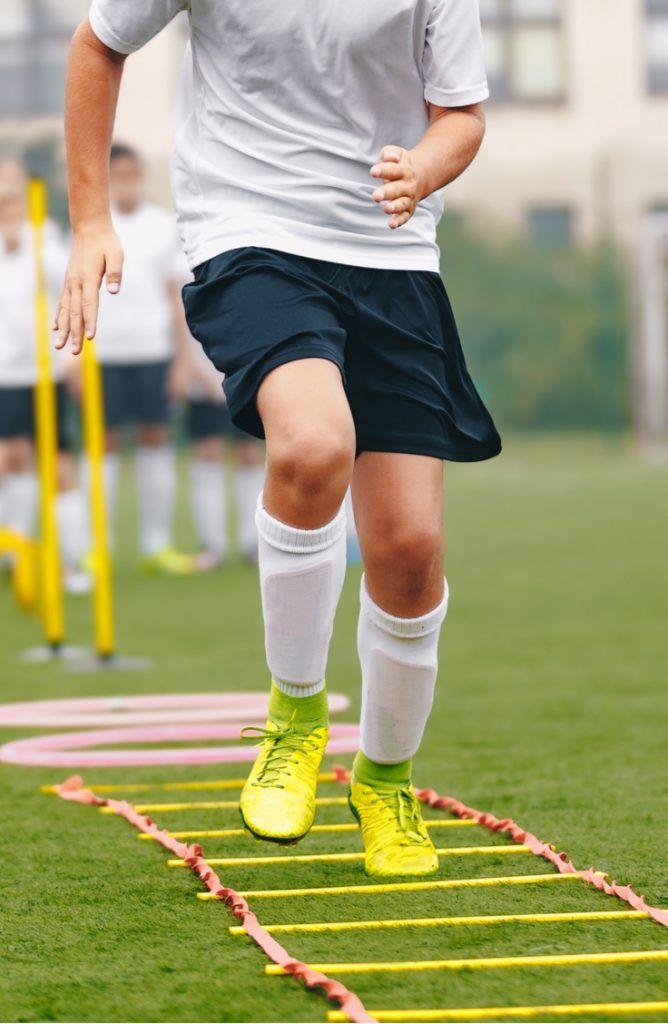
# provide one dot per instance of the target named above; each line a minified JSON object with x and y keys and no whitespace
{"x":398,"y":502}
{"x":310,"y":442}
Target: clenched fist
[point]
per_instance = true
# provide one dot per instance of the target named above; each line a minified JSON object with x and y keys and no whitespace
{"x":402,"y":190}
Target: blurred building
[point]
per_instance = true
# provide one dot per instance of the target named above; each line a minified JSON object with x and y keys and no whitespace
{"x":577,"y":142}
{"x":577,"y":146}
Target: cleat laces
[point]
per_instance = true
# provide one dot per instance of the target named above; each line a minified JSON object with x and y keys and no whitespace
{"x":287,"y":747}
{"x":398,"y":817}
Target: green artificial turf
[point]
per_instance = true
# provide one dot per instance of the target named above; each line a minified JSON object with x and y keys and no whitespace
{"x":552,"y":709}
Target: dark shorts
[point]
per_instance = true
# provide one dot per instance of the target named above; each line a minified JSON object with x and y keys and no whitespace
{"x":392,"y":334}
{"x":135,"y":393}
{"x":211,"y":419}
{"x":17,"y":415}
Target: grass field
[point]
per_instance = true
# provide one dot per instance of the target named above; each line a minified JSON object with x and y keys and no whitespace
{"x":552,"y":709}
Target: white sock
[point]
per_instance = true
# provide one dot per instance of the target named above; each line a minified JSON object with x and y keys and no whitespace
{"x":301,"y":576}
{"x":351,"y":529}
{"x":399,"y":659}
{"x":156,"y":486}
{"x":73,"y":527}
{"x":21,"y":497}
{"x":111,"y":467}
{"x":209,"y":507}
{"x":248,"y":482}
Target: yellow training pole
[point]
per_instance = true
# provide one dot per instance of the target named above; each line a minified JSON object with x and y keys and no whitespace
{"x":634,"y":956}
{"x":45,"y":418}
{"x":448,"y":922}
{"x":385,"y":887}
{"x":93,"y":418}
{"x":471,"y":1013}
{"x":345,"y":858}
{"x":228,"y":833}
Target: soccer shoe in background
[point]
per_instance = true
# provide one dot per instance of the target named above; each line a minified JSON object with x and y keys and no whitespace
{"x":278,"y":800}
{"x":170,"y":562}
{"x":395,"y":838}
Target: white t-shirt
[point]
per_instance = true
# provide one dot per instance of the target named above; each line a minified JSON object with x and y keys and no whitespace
{"x":135,"y":326}
{"x":18,"y":345}
{"x":285,"y":107}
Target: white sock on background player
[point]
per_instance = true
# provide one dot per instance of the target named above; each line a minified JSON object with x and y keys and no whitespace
{"x":21,"y":492}
{"x":301,"y":576}
{"x":209,"y":505}
{"x":72,"y":527}
{"x":248,"y":483}
{"x":399,"y":659}
{"x":156,"y":486}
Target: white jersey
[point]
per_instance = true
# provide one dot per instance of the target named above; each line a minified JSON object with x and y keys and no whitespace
{"x":136,"y":325}
{"x":18,"y":345}
{"x":285,"y":107}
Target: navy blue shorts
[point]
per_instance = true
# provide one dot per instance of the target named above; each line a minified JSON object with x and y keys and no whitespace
{"x":392,"y":334}
{"x":17,"y":415}
{"x":135,"y":393}
{"x":211,"y":419}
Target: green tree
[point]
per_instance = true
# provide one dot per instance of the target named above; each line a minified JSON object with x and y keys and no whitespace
{"x":545,"y":330}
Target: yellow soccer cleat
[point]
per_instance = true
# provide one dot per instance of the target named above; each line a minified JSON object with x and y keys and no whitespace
{"x":170,"y":562}
{"x":278,"y":800}
{"x":396,"y":842}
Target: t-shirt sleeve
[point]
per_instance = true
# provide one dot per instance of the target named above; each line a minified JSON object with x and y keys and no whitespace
{"x":453,"y":64}
{"x":126,"y":25}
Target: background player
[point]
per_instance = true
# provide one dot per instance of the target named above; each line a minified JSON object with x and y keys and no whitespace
{"x":143,"y":353}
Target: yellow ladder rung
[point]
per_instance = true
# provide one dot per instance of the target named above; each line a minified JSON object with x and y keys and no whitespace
{"x":335,"y":858}
{"x":486,"y":963}
{"x":387,"y":887}
{"x":143,"y":787}
{"x":510,"y":1012}
{"x":447,"y":922}
{"x":229,"y":833}
{"x":218,"y":805}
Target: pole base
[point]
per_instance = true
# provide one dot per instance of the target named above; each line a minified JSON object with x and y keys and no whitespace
{"x":110,"y":663}
{"x":45,"y":653}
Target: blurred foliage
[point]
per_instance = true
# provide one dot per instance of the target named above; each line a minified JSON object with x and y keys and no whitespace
{"x":545,"y":330}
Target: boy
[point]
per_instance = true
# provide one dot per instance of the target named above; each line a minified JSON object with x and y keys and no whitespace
{"x":142,"y":353}
{"x":315,"y":139}
{"x":18,"y":377}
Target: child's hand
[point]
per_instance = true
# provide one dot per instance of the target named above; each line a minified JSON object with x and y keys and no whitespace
{"x":96,"y":253}
{"x":402,"y":191}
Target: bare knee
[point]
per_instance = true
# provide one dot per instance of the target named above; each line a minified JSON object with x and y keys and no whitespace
{"x":18,"y":455}
{"x":208,"y":449}
{"x":152,"y":435}
{"x":309,"y":473}
{"x":405,"y":561}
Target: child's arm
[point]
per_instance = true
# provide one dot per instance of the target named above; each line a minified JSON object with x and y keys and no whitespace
{"x":449,"y":145}
{"x":93,"y":83}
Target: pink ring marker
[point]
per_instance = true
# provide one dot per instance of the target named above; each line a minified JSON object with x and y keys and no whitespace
{"x":155,"y":719}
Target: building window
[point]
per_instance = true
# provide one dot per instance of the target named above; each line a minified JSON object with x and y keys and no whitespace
{"x":656,"y":45}
{"x":551,"y":226}
{"x":524,"y":44}
{"x":34,"y":40}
